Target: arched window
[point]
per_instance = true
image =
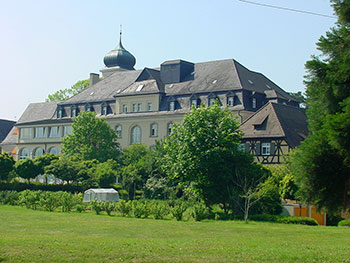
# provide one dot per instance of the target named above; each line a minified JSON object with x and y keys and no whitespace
{"x":54,"y":150}
{"x":38,"y":152}
{"x":24,"y":153}
{"x":154,"y":130}
{"x":135,"y":135}
{"x":118,"y":130}
{"x":170,"y":127}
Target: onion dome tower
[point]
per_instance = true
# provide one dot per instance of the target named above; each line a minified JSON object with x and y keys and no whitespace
{"x":118,"y":59}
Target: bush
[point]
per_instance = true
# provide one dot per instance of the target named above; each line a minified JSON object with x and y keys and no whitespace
{"x":159,"y":209}
{"x":141,"y":208}
{"x":345,"y":223}
{"x":30,"y":199}
{"x":285,"y":219}
{"x":97,"y":206}
{"x":124,"y":194}
{"x":109,"y":207}
{"x":9,"y":197}
{"x":178,"y":210}
{"x":199,"y":212}
{"x":49,"y":201}
{"x":124,"y":207}
{"x":81,"y":207}
{"x":19,"y":187}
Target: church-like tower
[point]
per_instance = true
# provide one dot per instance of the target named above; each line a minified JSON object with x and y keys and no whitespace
{"x":118,"y":59}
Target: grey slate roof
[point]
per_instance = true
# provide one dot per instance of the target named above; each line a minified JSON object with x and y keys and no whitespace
{"x":38,"y":112}
{"x":213,"y":76}
{"x":11,"y":138}
{"x":278,"y":121}
{"x":5,"y":127}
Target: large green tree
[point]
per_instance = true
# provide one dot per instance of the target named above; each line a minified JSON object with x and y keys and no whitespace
{"x":322,"y":164}
{"x":26,"y":169}
{"x":204,"y":152}
{"x":64,"y":169}
{"x":6,"y":165}
{"x":65,"y":94}
{"x":92,"y":138}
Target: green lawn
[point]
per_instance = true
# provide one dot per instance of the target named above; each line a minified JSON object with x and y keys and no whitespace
{"x":38,"y":236}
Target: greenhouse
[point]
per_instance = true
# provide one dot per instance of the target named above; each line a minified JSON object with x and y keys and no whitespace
{"x":101,"y":194}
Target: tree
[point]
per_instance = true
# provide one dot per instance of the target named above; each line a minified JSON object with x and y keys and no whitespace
{"x":203,"y":152}
{"x":92,"y":138}
{"x":322,"y":164}
{"x":136,"y":168}
{"x":26,"y":169}
{"x":6,"y":165}
{"x":65,"y":94}
{"x":64,"y":169}
{"x":299,"y":96}
{"x":106,"y":173}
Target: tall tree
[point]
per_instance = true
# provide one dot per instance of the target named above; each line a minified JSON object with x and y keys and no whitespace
{"x":65,"y":94}
{"x":92,"y":138}
{"x":42,"y":161}
{"x":6,"y":165}
{"x":322,"y":164}
{"x":64,"y":169}
{"x":204,"y":152}
{"x":26,"y":169}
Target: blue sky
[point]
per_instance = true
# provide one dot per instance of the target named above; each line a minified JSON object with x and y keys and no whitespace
{"x":49,"y":45}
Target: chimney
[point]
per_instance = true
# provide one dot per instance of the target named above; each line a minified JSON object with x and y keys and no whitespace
{"x":94,"y":78}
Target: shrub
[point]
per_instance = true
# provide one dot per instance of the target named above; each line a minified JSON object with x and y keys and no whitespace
{"x":159,"y":209}
{"x":81,"y":207}
{"x":345,"y":223}
{"x":141,"y":208}
{"x":199,"y":212}
{"x":124,"y":207}
{"x":49,"y":201}
{"x":9,"y":197}
{"x":178,"y":210}
{"x":109,"y":207}
{"x":124,"y":194}
{"x":19,"y":187}
{"x":97,"y":206}
{"x":31,"y":199}
{"x":285,"y":219}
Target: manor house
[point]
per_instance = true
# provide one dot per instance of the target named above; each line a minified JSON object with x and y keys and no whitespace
{"x":142,"y":106}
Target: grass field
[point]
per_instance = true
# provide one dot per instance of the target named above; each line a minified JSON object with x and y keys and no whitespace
{"x":38,"y":236}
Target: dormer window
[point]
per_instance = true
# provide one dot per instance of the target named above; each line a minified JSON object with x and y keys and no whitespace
{"x":171,"y":103}
{"x":254,"y":103}
{"x":194,"y":101}
{"x":104,"y":109}
{"x":211,"y":99}
{"x":59,"y":112}
{"x":74,"y":111}
{"x":230,"y":101}
{"x":88,"y":107}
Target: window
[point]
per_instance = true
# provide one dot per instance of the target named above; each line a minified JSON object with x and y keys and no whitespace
{"x":194,"y":102}
{"x":265,"y":148}
{"x":59,"y":113}
{"x":211,"y":101}
{"x":53,"y":150}
{"x":67,"y":130}
{"x":88,"y":107}
{"x":230,"y":101}
{"x":134,"y":109}
{"x":74,"y":111}
{"x":254,"y":103}
{"x":170,"y":127}
{"x":154,"y":130}
{"x":24,"y":153}
{"x":104,"y":109}
{"x":241,"y":147}
{"x":38,"y":152}
{"x":118,"y":130}
{"x":40,"y":132}
{"x":135,"y":135}
{"x":139,"y":107}
{"x":26,"y":133}
{"x":54,"y":132}
{"x":149,"y":107}
{"x":172,"y":105}
{"x":125,"y":108}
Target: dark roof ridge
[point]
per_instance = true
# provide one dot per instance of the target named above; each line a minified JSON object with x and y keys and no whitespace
{"x":277,"y":116}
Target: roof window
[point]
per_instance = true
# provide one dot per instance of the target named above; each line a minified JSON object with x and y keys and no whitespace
{"x":268,"y":86}
{"x":214,"y":81}
{"x":251,"y":82}
{"x":139,"y":88}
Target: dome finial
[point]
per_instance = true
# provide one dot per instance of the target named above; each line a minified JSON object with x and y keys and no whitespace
{"x":120,"y":35}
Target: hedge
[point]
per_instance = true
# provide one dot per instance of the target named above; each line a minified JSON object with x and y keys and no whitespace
{"x":345,"y":223}
{"x":285,"y":219}
{"x":18,"y":186}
